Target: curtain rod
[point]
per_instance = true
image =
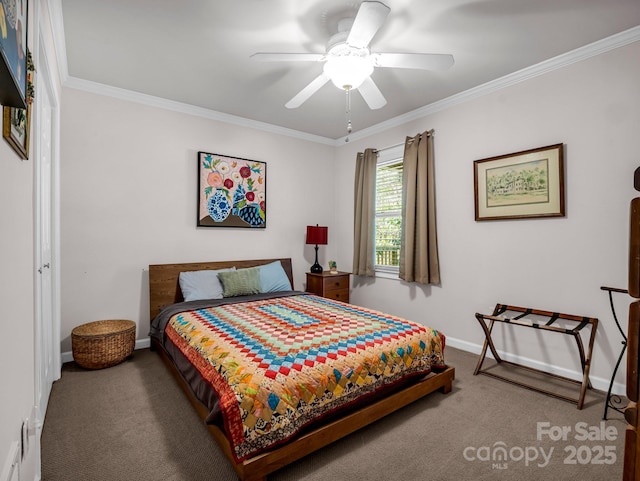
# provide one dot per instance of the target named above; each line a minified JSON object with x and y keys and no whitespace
{"x":428,"y":132}
{"x":390,"y":147}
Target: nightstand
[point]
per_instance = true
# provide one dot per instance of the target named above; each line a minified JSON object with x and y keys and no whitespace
{"x":331,"y":286}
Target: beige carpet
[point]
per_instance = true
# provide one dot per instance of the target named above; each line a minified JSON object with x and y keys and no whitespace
{"x":132,"y":422}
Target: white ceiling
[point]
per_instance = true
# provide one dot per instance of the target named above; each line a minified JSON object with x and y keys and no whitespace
{"x":197,"y":52}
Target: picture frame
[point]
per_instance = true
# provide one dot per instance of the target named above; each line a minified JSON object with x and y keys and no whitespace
{"x":232,"y":192}
{"x":13,"y":53}
{"x":521,"y":185}
{"x":16,"y":125}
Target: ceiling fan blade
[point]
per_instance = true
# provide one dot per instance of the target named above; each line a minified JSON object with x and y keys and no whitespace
{"x":423,"y":61}
{"x":307,"y":92}
{"x":370,"y":17}
{"x":288,"y":57}
{"x":371,"y":94}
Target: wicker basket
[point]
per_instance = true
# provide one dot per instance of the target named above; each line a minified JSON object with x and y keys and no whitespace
{"x":101,"y":344}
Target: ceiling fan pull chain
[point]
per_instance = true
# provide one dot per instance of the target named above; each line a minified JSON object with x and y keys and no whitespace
{"x":348,"y":91}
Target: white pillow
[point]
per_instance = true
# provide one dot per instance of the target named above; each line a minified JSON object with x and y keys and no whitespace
{"x":196,"y":285}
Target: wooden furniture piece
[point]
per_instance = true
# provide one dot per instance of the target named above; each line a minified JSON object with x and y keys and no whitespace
{"x":487,"y":322}
{"x":631,"y":471}
{"x":331,"y":286}
{"x":164,"y":290}
{"x":101,"y":344}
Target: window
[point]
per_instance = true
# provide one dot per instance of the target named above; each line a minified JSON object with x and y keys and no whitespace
{"x":388,"y":217}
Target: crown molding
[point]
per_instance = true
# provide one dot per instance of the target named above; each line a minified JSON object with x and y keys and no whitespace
{"x":591,"y":50}
{"x":158,"y":102}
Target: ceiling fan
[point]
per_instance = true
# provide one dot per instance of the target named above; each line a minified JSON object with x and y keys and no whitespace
{"x":348,"y":61}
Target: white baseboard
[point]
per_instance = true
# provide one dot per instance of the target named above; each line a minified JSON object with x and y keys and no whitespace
{"x":597,"y":382}
{"x":140,"y":344}
{"x":66,"y":357}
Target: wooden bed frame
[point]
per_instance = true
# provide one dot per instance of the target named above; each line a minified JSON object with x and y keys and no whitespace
{"x":164,"y":290}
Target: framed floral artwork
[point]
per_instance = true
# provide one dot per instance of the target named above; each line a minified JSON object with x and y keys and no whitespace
{"x":232,"y":192}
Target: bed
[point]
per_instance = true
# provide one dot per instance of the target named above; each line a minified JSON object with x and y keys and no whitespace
{"x":268,"y":418}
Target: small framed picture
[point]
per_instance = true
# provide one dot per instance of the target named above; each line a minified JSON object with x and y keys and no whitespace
{"x":15,"y":129}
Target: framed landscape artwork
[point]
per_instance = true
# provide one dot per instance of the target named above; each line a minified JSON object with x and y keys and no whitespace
{"x":231,"y":191}
{"x":520,"y":185}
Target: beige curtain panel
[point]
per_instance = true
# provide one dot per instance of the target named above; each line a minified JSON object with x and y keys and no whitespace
{"x":364,"y":213}
{"x":418,"y":243}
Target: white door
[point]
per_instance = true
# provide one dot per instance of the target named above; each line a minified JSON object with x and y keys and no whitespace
{"x":47,"y":344}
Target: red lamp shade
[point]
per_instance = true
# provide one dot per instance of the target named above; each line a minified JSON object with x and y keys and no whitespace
{"x":317,"y":234}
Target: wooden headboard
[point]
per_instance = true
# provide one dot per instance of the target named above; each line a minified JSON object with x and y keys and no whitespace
{"x":164,"y":287}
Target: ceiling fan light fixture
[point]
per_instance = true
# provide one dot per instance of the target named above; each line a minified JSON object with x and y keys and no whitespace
{"x":348,"y":71}
{"x":348,"y":61}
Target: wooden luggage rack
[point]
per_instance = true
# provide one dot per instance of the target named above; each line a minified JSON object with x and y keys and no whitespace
{"x":487,"y":322}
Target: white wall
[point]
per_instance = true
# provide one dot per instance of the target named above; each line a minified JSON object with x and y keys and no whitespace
{"x":17,"y":288}
{"x":17,"y":276}
{"x":128,"y":199}
{"x":559,"y":264}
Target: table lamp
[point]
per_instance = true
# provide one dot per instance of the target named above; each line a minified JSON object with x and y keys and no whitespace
{"x":317,"y":235}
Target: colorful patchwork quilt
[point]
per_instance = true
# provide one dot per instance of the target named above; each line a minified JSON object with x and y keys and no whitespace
{"x":278,"y":364}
